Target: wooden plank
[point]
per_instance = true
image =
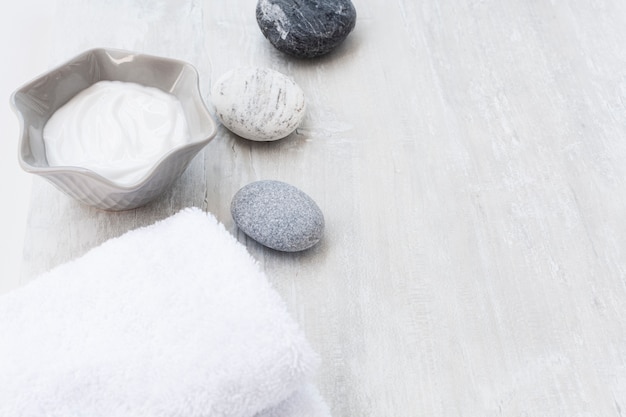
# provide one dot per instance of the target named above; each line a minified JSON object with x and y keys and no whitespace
{"x":469,"y":158}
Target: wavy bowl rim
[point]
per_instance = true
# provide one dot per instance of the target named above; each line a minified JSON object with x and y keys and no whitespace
{"x":86,"y":172}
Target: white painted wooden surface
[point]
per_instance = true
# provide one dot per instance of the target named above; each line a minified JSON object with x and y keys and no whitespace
{"x":470,"y":158}
{"x":24,"y":42}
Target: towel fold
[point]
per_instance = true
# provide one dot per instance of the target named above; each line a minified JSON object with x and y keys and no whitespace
{"x":175,"y":319}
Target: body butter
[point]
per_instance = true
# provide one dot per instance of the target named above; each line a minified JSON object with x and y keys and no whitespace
{"x":117,"y":129}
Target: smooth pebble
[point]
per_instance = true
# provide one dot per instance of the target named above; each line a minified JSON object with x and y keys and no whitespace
{"x":278,"y":215}
{"x":258,"y":103}
{"x":305,"y":28}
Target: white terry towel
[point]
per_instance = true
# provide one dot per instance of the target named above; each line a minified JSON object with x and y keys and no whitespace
{"x":175,"y":319}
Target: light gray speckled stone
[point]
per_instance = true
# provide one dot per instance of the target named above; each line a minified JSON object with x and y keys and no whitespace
{"x":278,"y":215}
{"x":258,"y":103}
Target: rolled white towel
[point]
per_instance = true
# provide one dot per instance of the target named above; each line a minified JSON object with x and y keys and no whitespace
{"x":174,"y":319}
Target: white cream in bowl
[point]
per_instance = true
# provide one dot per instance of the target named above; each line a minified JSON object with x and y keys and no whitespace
{"x":117,"y":129}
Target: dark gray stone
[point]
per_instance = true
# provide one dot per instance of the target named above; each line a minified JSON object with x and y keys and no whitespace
{"x":305,"y":28}
{"x":278,"y":215}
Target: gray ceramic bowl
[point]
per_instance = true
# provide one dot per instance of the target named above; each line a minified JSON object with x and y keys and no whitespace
{"x":36,"y":101}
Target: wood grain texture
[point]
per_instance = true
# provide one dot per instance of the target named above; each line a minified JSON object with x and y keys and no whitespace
{"x":469,"y":159}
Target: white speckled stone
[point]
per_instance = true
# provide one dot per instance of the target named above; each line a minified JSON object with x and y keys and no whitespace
{"x":258,"y":103}
{"x":278,"y":215}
